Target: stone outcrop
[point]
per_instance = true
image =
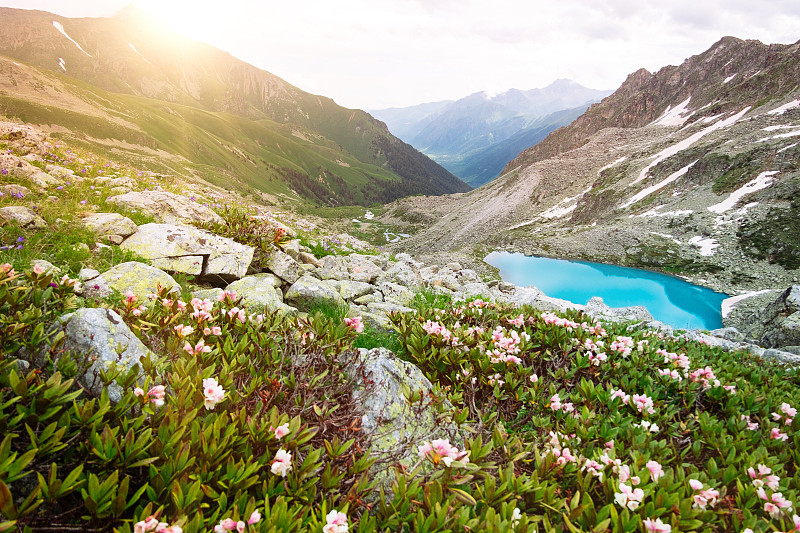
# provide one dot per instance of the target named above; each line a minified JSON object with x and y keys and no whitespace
{"x":166,"y":207}
{"x":99,"y":338}
{"x":190,"y":250}
{"x":110,"y":224}
{"x":308,"y":291}
{"x":142,"y":280}
{"x":778,"y":324}
{"x":25,"y":217}
{"x":261,"y":292}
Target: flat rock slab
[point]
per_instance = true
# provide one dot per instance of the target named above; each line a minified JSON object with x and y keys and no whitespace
{"x":167,"y":207}
{"x":190,"y":250}
{"x":308,"y":292}
{"x":138,"y":278}
{"x":110,"y":224}
{"x":261,"y":292}
{"x":23,"y":216}
{"x":102,"y":339}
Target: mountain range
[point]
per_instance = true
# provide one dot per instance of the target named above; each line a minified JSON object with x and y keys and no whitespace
{"x":128,"y":81}
{"x":474,"y":137}
{"x":692,"y":169}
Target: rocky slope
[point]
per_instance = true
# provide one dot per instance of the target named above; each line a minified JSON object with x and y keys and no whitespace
{"x":130,"y":79}
{"x":691,"y":170}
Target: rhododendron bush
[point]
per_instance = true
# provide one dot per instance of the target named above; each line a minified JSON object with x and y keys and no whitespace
{"x":247,"y":422}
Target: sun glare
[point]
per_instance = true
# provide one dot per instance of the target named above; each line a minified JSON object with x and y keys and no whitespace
{"x":193,"y":20}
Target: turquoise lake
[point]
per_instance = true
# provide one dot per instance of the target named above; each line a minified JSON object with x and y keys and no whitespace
{"x":669,"y":299}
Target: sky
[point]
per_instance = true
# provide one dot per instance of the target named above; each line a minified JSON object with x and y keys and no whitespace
{"x":374,"y":54}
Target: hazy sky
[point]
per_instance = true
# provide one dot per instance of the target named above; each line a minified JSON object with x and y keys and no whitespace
{"x":372,"y":54}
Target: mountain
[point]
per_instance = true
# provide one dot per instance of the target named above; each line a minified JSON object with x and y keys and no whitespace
{"x":465,"y":136}
{"x":133,"y":80}
{"x":691,"y":170}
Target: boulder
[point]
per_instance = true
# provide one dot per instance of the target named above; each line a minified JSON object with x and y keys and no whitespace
{"x":282,"y":265}
{"x":13,"y":189}
{"x":396,"y":294}
{"x":110,"y":224}
{"x":402,"y":274}
{"x":190,"y":250}
{"x":599,"y":310}
{"x":309,"y":259}
{"x":355,"y":267}
{"x":48,"y":267}
{"x":308,"y":292}
{"x":393,"y":426}
{"x":778,"y":324}
{"x":539,"y":300}
{"x":44,"y":180}
{"x":167,"y":207}
{"x":100,"y":338}
{"x":142,"y":280}
{"x":350,"y":290}
{"x":23,"y":216}
{"x":260,"y":292}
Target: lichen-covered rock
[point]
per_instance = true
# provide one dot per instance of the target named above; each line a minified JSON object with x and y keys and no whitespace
{"x":402,"y":274}
{"x":110,"y":224}
{"x":260,"y":292}
{"x":778,"y":324}
{"x":309,"y":259}
{"x":539,"y":300}
{"x":44,"y":180}
{"x":396,"y":294}
{"x":308,"y":292}
{"x":100,"y":338}
{"x":23,"y":216}
{"x":138,"y":278}
{"x":12,"y":189}
{"x":190,"y":250}
{"x":599,"y":310}
{"x":355,"y":267}
{"x":394,"y":427}
{"x":167,"y":207}
{"x":352,"y":289}
{"x":48,"y":267}
{"x":282,"y":265}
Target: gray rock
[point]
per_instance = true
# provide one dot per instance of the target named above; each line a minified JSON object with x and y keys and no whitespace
{"x":260,"y":292}
{"x":598,"y":309}
{"x":23,"y":216}
{"x":779,"y":323}
{"x":115,"y":239}
{"x":142,"y":280}
{"x":44,"y":180}
{"x":354,"y":267}
{"x":292,"y":248}
{"x":190,"y":250}
{"x":210,"y":294}
{"x":472,"y":290}
{"x":781,"y":356}
{"x":87,"y":274}
{"x":394,"y":427}
{"x":368,"y":298}
{"x":538,"y":300}
{"x":731,"y":334}
{"x":110,"y":224}
{"x":283,"y":266}
{"x":396,"y":294}
{"x":48,"y":267}
{"x":167,"y":207}
{"x":14,"y":189}
{"x":350,"y":290}
{"x":100,"y":338}
{"x":309,"y":259}
{"x":308,"y":292}
{"x":402,"y":274}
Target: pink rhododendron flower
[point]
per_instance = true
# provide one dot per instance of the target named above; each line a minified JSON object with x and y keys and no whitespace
{"x":440,"y":450}
{"x":255,"y":516}
{"x":656,"y":470}
{"x":355,"y":324}
{"x":38,"y":269}
{"x":594,"y":468}
{"x":695,"y":484}
{"x":138,"y":391}
{"x":280,"y":431}
{"x":183,"y":331}
{"x":198,"y":348}
{"x":752,"y":426}
{"x":335,"y":522}
{"x":213,"y":393}
{"x":628,"y":497}
{"x":776,"y":434}
{"x":282,"y":463}
{"x":656,"y":526}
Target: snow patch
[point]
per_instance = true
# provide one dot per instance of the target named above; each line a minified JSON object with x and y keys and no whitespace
{"x":666,"y":236}
{"x":724,"y":220}
{"x":786,"y":148}
{"x":660,"y":185}
{"x":707,"y":245}
{"x":780,"y":136}
{"x":369,"y":215}
{"x":563,"y":207}
{"x":762,"y":181}
{"x":710,"y":119}
{"x":610,"y":165}
{"x":673,"y":117}
{"x":780,"y":127}
{"x":784,"y":108}
{"x":60,"y":27}
{"x":656,"y":212}
{"x":729,"y":78}
{"x":62,"y":64}
{"x":689,"y":141}
{"x":729,"y":303}
{"x":138,"y":53}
